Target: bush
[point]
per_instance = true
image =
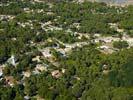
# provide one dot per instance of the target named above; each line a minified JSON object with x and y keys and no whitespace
{"x":120,"y":44}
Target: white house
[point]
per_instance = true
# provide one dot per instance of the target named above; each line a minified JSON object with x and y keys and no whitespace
{"x":1,"y":72}
{"x":12,"y":60}
{"x":46,"y":53}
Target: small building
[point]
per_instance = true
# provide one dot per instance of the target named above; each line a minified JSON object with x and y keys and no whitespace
{"x":26,"y":73}
{"x":10,"y":81}
{"x":63,"y":70}
{"x":56,"y":73}
{"x":37,"y":58}
{"x":1,"y":72}
{"x":46,"y":53}
{"x":62,"y":51}
{"x":12,"y":60}
{"x":130,"y":42}
{"x":105,"y":69}
{"x":40,"y":68}
{"x":97,"y":35}
{"x":120,"y":30}
{"x":104,"y":47}
{"x":26,"y":98}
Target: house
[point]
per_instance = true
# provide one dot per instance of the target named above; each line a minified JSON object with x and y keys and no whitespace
{"x":106,"y":39}
{"x":105,"y":69}
{"x":107,"y":49}
{"x":62,"y":51}
{"x":120,"y":30}
{"x":40,"y":10}
{"x":26,"y":73}
{"x":77,"y":78}
{"x":10,"y":80}
{"x":50,"y":13}
{"x":63,"y":70}
{"x":130,"y":42}
{"x":12,"y":60}
{"x":77,"y":25}
{"x":6,"y":17}
{"x":35,"y":72}
{"x":104,"y":47}
{"x":1,"y":71}
{"x":13,"y":39}
{"x":56,"y":73}
{"x":37,"y":58}
{"x":26,"y":98}
{"x":40,"y":68}
{"x":39,"y":1}
{"x":26,"y":9}
{"x":113,"y":25}
{"x":46,"y":53}
{"x":97,"y":35}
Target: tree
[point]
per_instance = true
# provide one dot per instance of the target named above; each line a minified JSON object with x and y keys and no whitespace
{"x":77,"y":90}
{"x":121,"y":94}
{"x":30,"y":88}
{"x":123,"y":76}
{"x":18,"y":97}
{"x":6,"y":71}
{"x":120,"y":44}
{"x":8,"y":94}
{"x":43,"y":91}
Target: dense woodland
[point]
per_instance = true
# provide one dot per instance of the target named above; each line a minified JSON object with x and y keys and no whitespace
{"x":90,"y":74}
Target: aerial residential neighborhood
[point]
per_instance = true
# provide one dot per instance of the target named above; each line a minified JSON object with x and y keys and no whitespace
{"x":66,"y":50}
